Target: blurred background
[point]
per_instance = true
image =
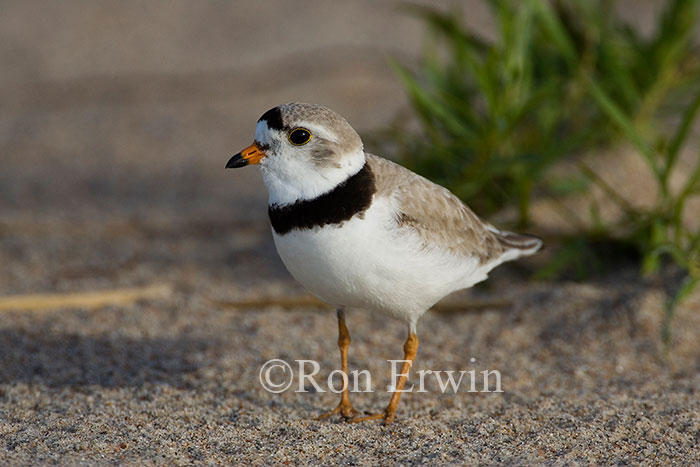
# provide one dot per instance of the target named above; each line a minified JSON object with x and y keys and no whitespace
{"x":116,"y":117}
{"x":562,"y":119}
{"x":572,"y":120}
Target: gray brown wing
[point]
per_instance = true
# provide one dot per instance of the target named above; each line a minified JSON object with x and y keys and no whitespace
{"x":440,"y":218}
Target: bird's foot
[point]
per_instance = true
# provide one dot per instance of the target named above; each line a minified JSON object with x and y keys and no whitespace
{"x":344,"y":408}
{"x":387,"y":416}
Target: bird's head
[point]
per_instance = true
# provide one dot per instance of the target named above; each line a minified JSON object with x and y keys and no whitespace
{"x":303,"y":151}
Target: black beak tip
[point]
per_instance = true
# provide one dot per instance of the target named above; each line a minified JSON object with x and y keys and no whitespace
{"x":236,"y":162}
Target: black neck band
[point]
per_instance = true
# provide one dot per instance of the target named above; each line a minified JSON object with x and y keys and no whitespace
{"x":348,"y":199}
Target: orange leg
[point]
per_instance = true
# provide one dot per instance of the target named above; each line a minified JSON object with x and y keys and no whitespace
{"x":344,"y":408}
{"x":410,"y":349}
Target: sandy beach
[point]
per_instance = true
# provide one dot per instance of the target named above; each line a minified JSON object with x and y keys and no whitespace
{"x":116,"y":122}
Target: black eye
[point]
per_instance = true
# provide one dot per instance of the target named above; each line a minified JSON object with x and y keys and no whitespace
{"x":299,"y":136}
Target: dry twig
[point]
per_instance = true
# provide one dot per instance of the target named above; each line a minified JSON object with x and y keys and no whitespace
{"x":94,"y":299}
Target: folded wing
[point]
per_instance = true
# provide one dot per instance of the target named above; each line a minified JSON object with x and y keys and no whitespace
{"x":442,"y":220}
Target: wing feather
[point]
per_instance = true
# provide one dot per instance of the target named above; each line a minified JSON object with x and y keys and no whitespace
{"x":441,"y":219}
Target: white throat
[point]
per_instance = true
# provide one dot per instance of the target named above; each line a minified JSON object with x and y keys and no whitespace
{"x":289,"y":181}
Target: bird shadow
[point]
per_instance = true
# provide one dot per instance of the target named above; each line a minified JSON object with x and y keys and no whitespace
{"x":61,"y":360}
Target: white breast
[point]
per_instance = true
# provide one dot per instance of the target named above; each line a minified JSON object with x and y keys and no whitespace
{"x":370,"y":263}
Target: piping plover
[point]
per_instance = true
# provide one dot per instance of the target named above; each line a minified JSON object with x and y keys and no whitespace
{"x":360,"y":231}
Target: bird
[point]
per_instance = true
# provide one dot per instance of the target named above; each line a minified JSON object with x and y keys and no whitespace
{"x":360,"y":231}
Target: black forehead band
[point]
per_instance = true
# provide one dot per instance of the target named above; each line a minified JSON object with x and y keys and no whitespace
{"x":273,"y":117}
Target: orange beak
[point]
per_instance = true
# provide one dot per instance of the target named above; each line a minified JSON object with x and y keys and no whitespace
{"x":250,"y":155}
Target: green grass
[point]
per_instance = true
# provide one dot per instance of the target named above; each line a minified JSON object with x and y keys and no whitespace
{"x":561,"y":80}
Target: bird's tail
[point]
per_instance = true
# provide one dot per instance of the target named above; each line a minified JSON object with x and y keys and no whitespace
{"x":517,"y":245}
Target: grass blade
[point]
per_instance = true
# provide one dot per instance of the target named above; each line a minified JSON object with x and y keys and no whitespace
{"x":682,"y":133}
{"x":556,"y":30}
{"x":618,"y":116}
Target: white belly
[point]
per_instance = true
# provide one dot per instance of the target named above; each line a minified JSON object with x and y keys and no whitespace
{"x":369,"y":263}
